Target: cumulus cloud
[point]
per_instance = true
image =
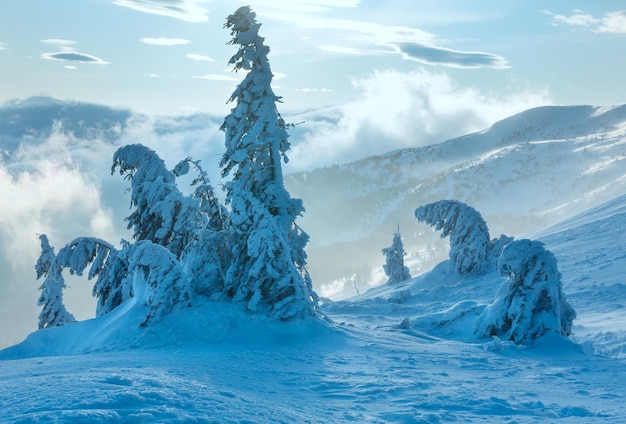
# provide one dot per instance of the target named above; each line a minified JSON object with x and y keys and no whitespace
{"x":398,"y":110}
{"x":611,"y":22}
{"x":163,"y":41}
{"x":185,"y":10}
{"x":45,"y":190}
{"x":614,"y":22}
{"x":200,"y":57}
{"x":73,"y":56}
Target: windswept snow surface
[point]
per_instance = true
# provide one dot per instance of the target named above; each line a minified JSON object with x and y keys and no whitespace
{"x":404,"y":353}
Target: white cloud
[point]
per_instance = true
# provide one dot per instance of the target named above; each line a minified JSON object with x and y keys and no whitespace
{"x":614,"y":22}
{"x":217,"y":77}
{"x":4,"y":46}
{"x":314,"y":90}
{"x":200,"y":57}
{"x":59,"y":42}
{"x":69,"y":54}
{"x":186,"y":10}
{"x":74,"y":56}
{"x":366,"y":38}
{"x":51,"y":193}
{"x":342,"y":50}
{"x":611,"y":22}
{"x":398,"y":110}
{"x":448,"y":57}
{"x":306,"y":5}
{"x":163,"y":41}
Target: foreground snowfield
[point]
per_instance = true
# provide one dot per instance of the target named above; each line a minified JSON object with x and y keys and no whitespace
{"x":394,"y":354}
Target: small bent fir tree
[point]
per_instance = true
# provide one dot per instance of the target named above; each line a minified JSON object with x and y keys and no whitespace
{"x":207,"y":257}
{"x":162,"y":213}
{"x":268,"y":270}
{"x":209,"y":203}
{"x":394,"y":265}
{"x":469,"y":236}
{"x":53,"y":313}
{"x":108,"y":265}
{"x":530,"y":303}
{"x":159,"y":279}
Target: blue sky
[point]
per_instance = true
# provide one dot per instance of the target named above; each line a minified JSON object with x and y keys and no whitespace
{"x":170,"y":56}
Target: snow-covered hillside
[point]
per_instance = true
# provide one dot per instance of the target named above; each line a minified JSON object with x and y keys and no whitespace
{"x":523,"y":174}
{"x":401,"y":353}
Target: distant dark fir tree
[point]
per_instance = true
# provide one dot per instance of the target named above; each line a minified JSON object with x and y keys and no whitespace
{"x":469,"y":236}
{"x":268,"y":269}
{"x":531,"y":302}
{"x":394,"y":264}
{"x":53,"y":313}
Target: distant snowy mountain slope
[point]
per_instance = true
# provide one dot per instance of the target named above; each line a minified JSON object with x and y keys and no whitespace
{"x":522,"y":174}
{"x":399,"y":353}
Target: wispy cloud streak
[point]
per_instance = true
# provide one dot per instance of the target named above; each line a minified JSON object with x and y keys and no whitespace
{"x":163,"y":41}
{"x":185,"y":10}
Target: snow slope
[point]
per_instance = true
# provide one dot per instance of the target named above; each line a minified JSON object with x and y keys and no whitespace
{"x":524,"y":173}
{"x":403,"y":353}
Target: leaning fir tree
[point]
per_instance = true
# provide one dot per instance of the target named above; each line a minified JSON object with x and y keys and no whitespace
{"x":268,"y":271}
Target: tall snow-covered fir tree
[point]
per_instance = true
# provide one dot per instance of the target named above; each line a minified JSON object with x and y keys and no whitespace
{"x":470,"y":246}
{"x":53,"y":313}
{"x":268,"y":268}
{"x":394,"y":264}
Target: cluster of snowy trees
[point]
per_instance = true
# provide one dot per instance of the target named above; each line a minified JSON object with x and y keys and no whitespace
{"x":253,"y":253}
{"x":530,"y":302}
{"x":186,"y":246}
